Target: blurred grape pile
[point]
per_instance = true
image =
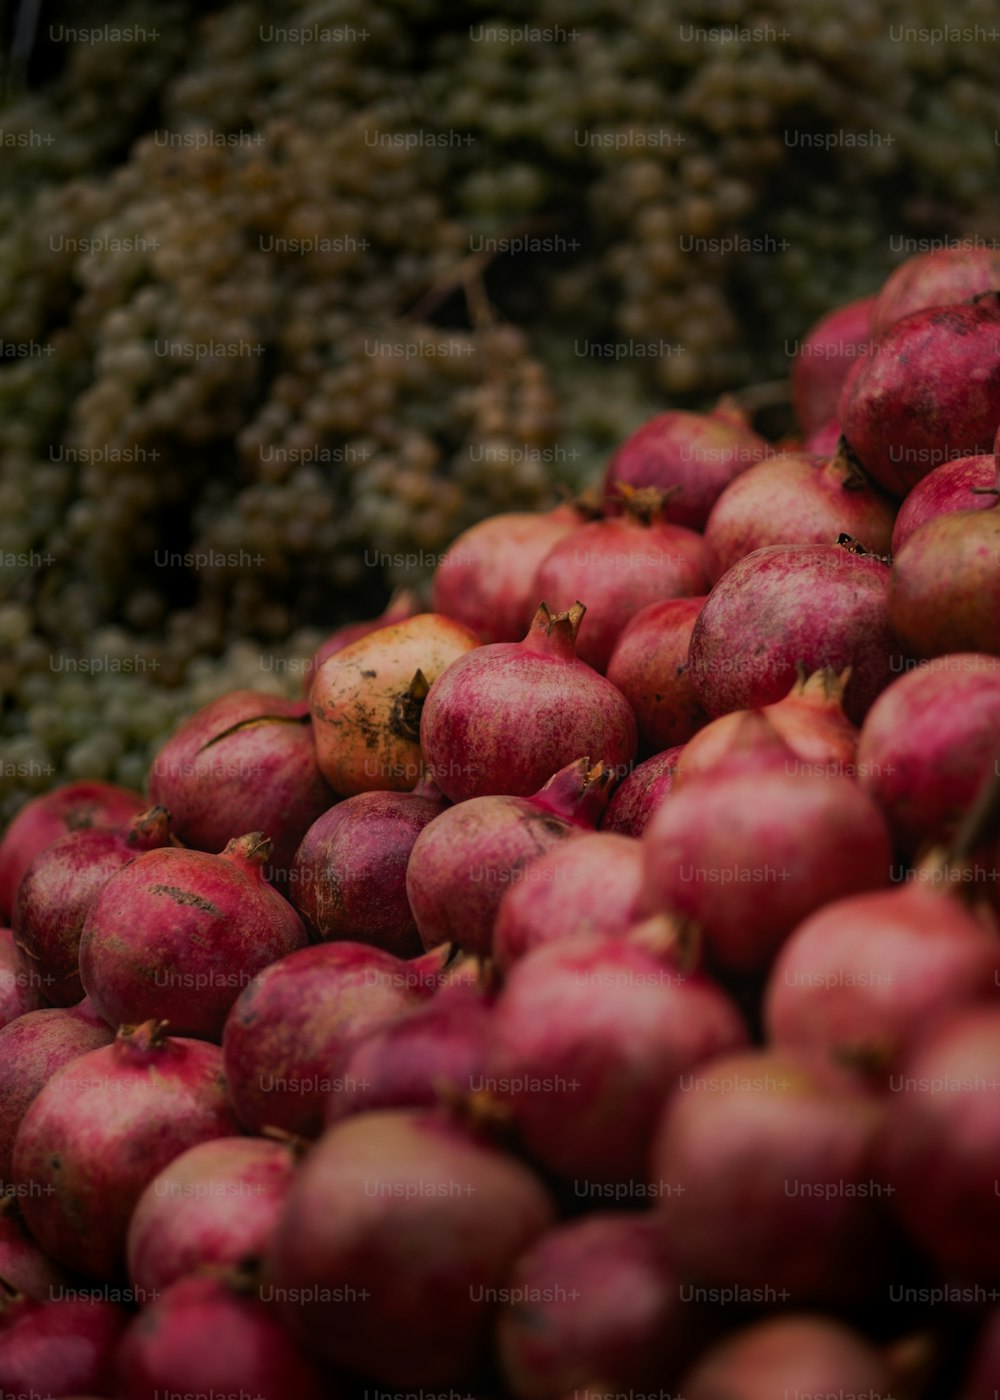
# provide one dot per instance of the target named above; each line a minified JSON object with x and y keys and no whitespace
{"x":285,"y":303}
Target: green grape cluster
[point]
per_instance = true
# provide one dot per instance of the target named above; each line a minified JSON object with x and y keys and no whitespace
{"x":307,"y":294}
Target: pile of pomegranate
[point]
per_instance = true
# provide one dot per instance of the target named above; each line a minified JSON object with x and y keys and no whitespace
{"x":591,"y":987}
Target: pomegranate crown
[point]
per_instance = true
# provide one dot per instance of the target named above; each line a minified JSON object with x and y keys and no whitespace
{"x":826,"y":684}
{"x":845,"y":460}
{"x":853,"y":546}
{"x":579,"y":792}
{"x":148,"y":1035}
{"x":644,"y":504}
{"x":554,"y":634}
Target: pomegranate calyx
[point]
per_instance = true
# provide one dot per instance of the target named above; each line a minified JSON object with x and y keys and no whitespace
{"x":644,"y":504}
{"x":826,"y":684}
{"x":853,"y":546}
{"x":600,"y":773}
{"x":588,"y":504}
{"x":670,"y":937}
{"x":148,"y":829}
{"x":844,"y":459}
{"x":145,"y":1035}
{"x":473,"y":969}
{"x":554,"y":634}
{"x":578,"y":793}
{"x":254,"y":848}
{"x":404,"y":720}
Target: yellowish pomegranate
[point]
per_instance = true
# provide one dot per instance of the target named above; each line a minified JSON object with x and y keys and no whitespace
{"x":367,"y":699}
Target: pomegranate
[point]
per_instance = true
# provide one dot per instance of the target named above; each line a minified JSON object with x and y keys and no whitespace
{"x":209,"y":1336}
{"x":642,"y":794}
{"x":824,"y":358}
{"x":944,"y":591}
{"x":173,"y":922}
{"x":930,"y":392}
{"x":286,"y":1027}
{"x":503,"y":718}
{"x":748,"y":849}
{"x":590,"y":1035}
{"x":928,"y":743}
{"x":810,"y":719}
{"x":58,"y":889}
{"x":404,"y":603}
{"x":795,"y":498}
{"x":57,"y":1348}
{"x":424,"y":1054}
{"x":349,"y":875}
{"x":618,"y":565}
{"x":21,"y":987}
{"x":45,"y":818}
{"x":649,"y":667}
{"x":485,"y":579}
{"x":752,"y":846}
{"x":862,"y":975}
{"x":32,"y":1048}
{"x":941,"y":1142}
{"x":463,"y":862}
{"x":101,"y":1129}
{"x":216,"y":1204}
{"x":244,"y":762}
{"x":792,"y":1356}
{"x":366,"y":702}
{"x":770,"y":1156}
{"x":692,"y":455}
{"x":559,"y":896}
{"x":23,"y":1266}
{"x":402,"y":1225}
{"x":961,"y":484}
{"x":785,"y":606}
{"x":940,"y":277}
{"x":592,"y":1298}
